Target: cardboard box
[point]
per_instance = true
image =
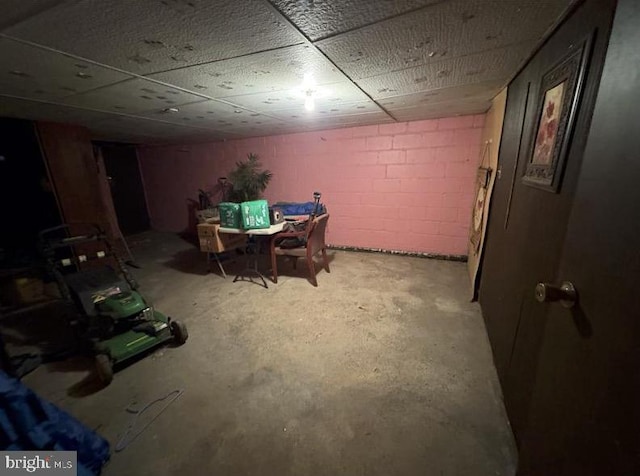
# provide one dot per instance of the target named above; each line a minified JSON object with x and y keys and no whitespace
{"x":210,"y":215}
{"x":230,"y":215}
{"x":255,"y":214}
{"x":211,"y":240}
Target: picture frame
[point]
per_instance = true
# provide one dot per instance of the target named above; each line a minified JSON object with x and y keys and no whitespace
{"x":483,"y":180}
{"x":556,"y":110}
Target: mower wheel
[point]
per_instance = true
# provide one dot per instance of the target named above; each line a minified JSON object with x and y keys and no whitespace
{"x":104,"y":368}
{"x":179,"y":331}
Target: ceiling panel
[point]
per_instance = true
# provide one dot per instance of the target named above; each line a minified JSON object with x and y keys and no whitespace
{"x":132,"y":127}
{"x":15,"y":11}
{"x":444,"y":109}
{"x":493,"y":65}
{"x":145,"y":36}
{"x":322,"y":18}
{"x":42,"y":111}
{"x":333,"y":96}
{"x":29,"y":71}
{"x":212,"y":114}
{"x":132,"y":96}
{"x":486,"y":90}
{"x":275,"y":70}
{"x":447,"y":30}
{"x":317,"y":123}
{"x":326,"y":109}
{"x":234,"y":68}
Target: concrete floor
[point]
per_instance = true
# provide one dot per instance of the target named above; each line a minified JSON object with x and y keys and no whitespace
{"x":384,"y":369}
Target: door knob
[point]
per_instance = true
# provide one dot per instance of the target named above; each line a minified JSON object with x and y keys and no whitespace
{"x":565,"y":293}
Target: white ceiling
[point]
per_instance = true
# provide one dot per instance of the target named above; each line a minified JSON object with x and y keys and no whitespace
{"x":230,"y":66}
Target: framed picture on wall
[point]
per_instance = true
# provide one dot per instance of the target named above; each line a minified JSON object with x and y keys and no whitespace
{"x":477,"y":221}
{"x":556,"y":112}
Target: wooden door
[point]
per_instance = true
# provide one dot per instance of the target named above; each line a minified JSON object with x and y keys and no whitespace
{"x":527,"y":225}
{"x":584,"y":416}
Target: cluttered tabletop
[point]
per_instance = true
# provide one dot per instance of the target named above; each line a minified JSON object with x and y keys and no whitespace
{"x":230,"y":226}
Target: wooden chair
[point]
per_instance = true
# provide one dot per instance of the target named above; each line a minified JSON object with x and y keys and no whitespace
{"x":314,"y":233}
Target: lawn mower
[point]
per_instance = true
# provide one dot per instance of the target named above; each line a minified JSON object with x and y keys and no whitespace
{"x":115,"y":322}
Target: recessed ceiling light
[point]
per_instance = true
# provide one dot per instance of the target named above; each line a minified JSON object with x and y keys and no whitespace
{"x":82,"y":75}
{"x":237,"y":111}
{"x":171,"y":109}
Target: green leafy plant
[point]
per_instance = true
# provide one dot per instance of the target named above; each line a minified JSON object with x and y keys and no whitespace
{"x":248,"y":180}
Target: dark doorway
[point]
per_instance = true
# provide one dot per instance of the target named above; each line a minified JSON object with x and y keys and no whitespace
{"x":127,"y":190}
{"x":27,"y":198}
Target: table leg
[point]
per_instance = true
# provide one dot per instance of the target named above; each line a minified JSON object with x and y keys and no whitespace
{"x":217,"y":257}
{"x":251,"y":266}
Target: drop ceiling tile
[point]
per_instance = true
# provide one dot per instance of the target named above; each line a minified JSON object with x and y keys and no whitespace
{"x":219,"y":49}
{"x":15,"y":11}
{"x":444,"y":109}
{"x":487,"y":90}
{"x":447,"y":30}
{"x":276,"y":70}
{"x":132,"y":96}
{"x":495,"y":65}
{"x":145,"y":36}
{"x":42,"y":111}
{"x":212,"y":114}
{"x":315,"y":122}
{"x":125,"y":126}
{"x":194,"y":114}
{"x":333,"y":95}
{"x":321,"y":18}
{"x":325,"y":110}
{"x":29,"y":71}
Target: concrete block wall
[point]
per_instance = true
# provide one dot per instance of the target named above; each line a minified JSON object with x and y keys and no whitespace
{"x":404,"y":186}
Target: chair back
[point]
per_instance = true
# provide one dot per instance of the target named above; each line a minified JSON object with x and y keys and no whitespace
{"x":315,"y":238}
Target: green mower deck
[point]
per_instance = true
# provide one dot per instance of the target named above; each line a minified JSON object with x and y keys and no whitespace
{"x":131,"y":343}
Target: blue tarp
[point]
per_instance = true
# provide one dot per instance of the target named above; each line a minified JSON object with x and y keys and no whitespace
{"x":29,"y":423}
{"x":301,"y":208}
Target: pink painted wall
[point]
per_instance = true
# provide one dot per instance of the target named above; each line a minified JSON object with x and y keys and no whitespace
{"x":404,"y":186}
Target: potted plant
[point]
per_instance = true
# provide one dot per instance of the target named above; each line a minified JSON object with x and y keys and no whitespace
{"x":248,"y":180}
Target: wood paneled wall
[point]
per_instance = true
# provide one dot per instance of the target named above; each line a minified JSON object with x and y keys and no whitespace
{"x":74,"y":171}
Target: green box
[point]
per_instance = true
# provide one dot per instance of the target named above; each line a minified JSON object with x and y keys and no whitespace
{"x":255,"y":214}
{"x":230,"y":215}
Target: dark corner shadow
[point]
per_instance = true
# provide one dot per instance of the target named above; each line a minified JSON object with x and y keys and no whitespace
{"x":581,"y":321}
{"x":37,"y":335}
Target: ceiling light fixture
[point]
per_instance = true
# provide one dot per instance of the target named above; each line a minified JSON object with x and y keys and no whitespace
{"x":310,"y":91}
{"x":309,"y":103}
{"x":171,"y":109}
